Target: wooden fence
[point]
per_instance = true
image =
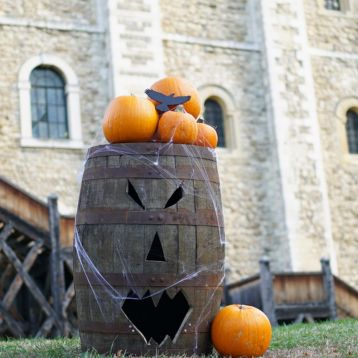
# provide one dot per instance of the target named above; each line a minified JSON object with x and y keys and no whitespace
{"x":296,"y":296}
{"x":36,"y":283}
{"x":33,"y":211}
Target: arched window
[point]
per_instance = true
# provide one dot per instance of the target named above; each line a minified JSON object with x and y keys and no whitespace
{"x":48,"y":104}
{"x":50,"y":112}
{"x":213,"y":115}
{"x":352,"y":130}
{"x":332,"y":5}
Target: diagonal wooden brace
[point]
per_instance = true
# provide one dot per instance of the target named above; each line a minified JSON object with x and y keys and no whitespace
{"x":12,"y":325}
{"x":29,"y":282}
{"x":6,"y":232}
{"x":47,"y":325}
{"x":18,"y":281}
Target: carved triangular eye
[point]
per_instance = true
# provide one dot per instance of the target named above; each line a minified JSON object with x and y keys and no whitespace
{"x":176,"y":196}
{"x":134,"y":195}
{"x":156,"y":250}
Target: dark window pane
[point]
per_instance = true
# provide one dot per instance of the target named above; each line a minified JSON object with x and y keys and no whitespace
{"x":333,"y":5}
{"x":52,"y":114}
{"x":46,"y":77}
{"x":352,"y":131}
{"x":40,"y":94}
{"x":48,"y":105}
{"x":213,"y":115}
{"x":43,"y":130}
{"x":53,"y":130}
{"x":35,"y":127}
{"x":41,"y":114}
{"x":51,"y":96}
{"x":60,"y":97}
{"x":62,"y":131}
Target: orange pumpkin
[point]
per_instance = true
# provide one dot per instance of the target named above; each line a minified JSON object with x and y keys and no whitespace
{"x":180,"y":87}
{"x":239,"y":330}
{"x":130,"y":119}
{"x":178,"y":127}
{"x":207,"y":136}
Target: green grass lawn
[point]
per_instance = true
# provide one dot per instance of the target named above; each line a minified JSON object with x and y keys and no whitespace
{"x":329,"y":339}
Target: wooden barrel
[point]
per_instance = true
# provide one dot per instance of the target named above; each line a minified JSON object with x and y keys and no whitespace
{"x":149,"y":249}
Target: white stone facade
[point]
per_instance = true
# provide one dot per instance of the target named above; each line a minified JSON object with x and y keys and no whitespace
{"x":284,"y":71}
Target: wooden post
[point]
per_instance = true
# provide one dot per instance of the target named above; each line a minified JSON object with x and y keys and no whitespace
{"x":328,"y":284}
{"x":266,"y":289}
{"x":227,"y":296}
{"x":57,"y":274}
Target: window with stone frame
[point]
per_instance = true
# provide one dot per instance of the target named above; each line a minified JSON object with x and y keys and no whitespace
{"x":352,"y":130}
{"x":214,"y":116}
{"x":332,"y":5}
{"x":49,"y":100}
{"x":48,"y":104}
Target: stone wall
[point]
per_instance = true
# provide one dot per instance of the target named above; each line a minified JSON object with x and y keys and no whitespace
{"x":306,"y":234}
{"x":228,"y":61}
{"x":45,"y":170}
{"x":79,"y":12}
{"x":136,"y":45}
{"x":331,"y":30}
{"x":211,"y":19}
{"x":336,"y":78}
{"x":279,"y":69}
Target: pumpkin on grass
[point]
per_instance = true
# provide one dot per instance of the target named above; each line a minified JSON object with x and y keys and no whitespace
{"x":130,"y":119}
{"x":178,"y":127}
{"x":180,"y":87}
{"x":241,"y":331}
{"x":207,"y":136}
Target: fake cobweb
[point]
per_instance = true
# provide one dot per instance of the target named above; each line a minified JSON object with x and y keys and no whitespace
{"x":147,"y":239}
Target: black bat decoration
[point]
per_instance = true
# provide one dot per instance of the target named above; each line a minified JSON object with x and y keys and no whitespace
{"x":166,"y":101}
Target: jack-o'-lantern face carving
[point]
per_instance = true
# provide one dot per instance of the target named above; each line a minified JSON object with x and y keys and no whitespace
{"x":166,"y":317}
{"x":152,"y":227}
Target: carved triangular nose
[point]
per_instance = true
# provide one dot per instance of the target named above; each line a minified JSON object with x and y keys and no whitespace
{"x":156,"y":250}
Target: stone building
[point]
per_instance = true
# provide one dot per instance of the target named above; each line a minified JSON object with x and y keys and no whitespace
{"x":279,"y":76}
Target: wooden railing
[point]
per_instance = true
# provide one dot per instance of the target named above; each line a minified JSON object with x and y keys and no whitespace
{"x":33,"y":210}
{"x":294,"y":296}
{"x":36,"y":264}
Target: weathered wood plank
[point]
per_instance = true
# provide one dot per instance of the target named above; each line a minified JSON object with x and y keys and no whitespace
{"x":118,"y":223}
{"x":31,"y":211}
{"x":346,"y":297}
{"x":266,"y":289}
{"x":35,"y":291}
{"x":292,"y":311}
{"x":167,"y":236}
{"x":49,"y":322}
{"x":57,"y":274}
{"x":6,"y":275}
{"x":13,"y":326}
{"x":186,"y":249}
{"x":45,"y":328}
{"x":18,"y":281}
{"x":67,"y":257}
{"x":328,"y":283}
{"x":298,"y":289}
{"x":24,"y":227}
{"x":6,"y":232}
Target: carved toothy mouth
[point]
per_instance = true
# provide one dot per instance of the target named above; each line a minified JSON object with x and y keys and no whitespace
{"x":157,"y":321}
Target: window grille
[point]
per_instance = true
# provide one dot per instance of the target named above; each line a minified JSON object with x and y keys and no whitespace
{"x":333,"y":5}
{"x":213,"y":115}
{"x":352,"y":131}
{"x":48,"y":104}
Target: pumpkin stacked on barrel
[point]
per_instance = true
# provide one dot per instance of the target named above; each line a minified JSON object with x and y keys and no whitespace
{"x":149,"y":248}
